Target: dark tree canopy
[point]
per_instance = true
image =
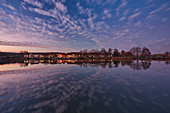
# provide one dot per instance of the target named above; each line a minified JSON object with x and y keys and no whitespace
{"x":146,"y":52}
{"x":110,"y":51}
{"x":123,"y":53}
{"x":129,"y":54}
{"x":103,"y":51}
{"x":116,"y":53}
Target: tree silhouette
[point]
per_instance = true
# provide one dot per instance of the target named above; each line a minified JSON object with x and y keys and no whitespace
{"x":129,"y":54}
{"x":103,"y":51}
{"x":110,"y":51}
{"x":123,"y":53}
{"x":136,"y":51}
{"x":116,"y":53}
{"x":94,"y":51}
{"x":166,"y":53}
{"x":146,"y":52}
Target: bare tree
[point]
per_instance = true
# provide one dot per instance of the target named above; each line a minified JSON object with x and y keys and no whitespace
{"x":146,"y":52}
{"x":136,"y":51}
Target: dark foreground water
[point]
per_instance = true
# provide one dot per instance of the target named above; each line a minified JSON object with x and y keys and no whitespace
{"x":114,"y":87}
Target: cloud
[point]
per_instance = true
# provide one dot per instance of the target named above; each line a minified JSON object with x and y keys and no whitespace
{"x":40,"y":11}
{"x":159,"y":45}
{"x":168,"y":9}
{"x":61,"y":7}
{"x":25,"y":44}
{"x":80,"y":8}
{"x":164,"y":19}
{"x":122,"y":5}
{"x":151,"y":27}
{"x":98,"y":42}
{"x":159,"y":9}
{"x":163,"y":6}
{"x":2,"y":22}
{"x":107,"y":13}
{"x":149,"y":1}
{"x":34,"y":3}
{"x":137,"y":24}
{"x":60,"y":27}
{"x":134,"y":16}
{"x":9,"y":6}
{"x":150,"y":16}
{"x":121,"y":19}
{"x":126,"y":12}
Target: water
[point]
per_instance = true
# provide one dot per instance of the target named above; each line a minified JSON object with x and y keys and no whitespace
{"x":76,"y":87}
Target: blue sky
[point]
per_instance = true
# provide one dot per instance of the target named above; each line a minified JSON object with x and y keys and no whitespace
{"x":73,"y":25}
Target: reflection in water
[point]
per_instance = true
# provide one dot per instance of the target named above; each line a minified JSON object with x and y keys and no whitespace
{"x":133,"y":64}
{"x":62,"y":89}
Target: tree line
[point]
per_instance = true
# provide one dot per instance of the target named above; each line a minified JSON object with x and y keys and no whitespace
{"x":133,"y":52}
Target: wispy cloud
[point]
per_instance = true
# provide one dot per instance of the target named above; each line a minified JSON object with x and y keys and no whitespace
{"x":122,"y":18}
{"x":134,"y":16}
{"x":122,"y":5}
{"x":149,"y":1}
{"x":107,"y":13}
{"x":34,"y":3}
{"x":163,"y":6}
{"x":61,"y":7}
{"x":23,"y":44}
{"x":159,"y":45}
{"x":137,"y":24}
{"x":8,"y":6}
{"x":41,"y":12}
{"x":4,"y":23}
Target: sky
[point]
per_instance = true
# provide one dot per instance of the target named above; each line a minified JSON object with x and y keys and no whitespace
{"x":74,"y":25}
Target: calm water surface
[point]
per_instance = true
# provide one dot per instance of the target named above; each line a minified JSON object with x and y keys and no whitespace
{"x":85,"y":88}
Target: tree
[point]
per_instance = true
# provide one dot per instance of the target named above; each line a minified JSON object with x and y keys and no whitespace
{"x":103,"y":51}
{"x":85,"y":51}
{"x":146,"y":52}
{"x":94,"y":51}
{"x":24,"y":51}
{"x":123,"y":53}
{"x":132,"y":51}
{"x":129,"y":54}
{"x":136,"y":51}
{"x":110,"y":51}
{"x":166,"y":53}
{"x":116,"y":53}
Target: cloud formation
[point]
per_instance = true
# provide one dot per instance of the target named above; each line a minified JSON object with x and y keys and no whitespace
{"x":22,"y":44}
{"x":83,"y":24}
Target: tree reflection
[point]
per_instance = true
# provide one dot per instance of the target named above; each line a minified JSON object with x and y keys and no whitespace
{"x":133,"y":64}
{"x":94,"y":63}
{"x":167,"y":62}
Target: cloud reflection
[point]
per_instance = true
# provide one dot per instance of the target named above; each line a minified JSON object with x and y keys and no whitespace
{"x":63,"y":89}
